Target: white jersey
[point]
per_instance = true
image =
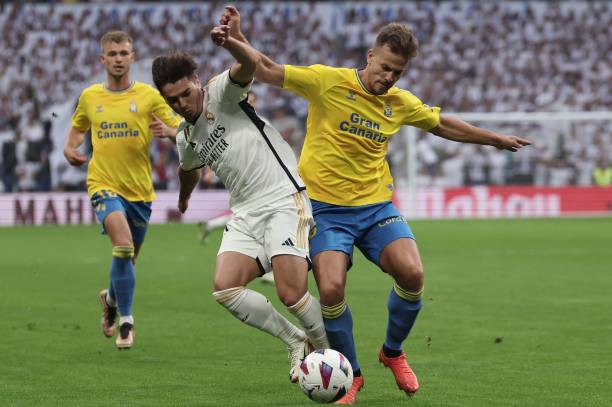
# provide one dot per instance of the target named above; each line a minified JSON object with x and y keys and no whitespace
{"x":247,"y":154}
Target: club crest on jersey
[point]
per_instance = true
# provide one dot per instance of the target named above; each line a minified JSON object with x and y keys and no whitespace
{"x":133,"y":107}
{"x":210,"y":117}
{"x":99,"y":109}
{"x":388,"y":111}
{"x":351,"y":95}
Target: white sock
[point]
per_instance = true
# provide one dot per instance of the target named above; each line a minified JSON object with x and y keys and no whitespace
{"x":128,"y":318}
{"x":256,"y":310}
{"x":218,"y":222}
{"x":308,"y":311}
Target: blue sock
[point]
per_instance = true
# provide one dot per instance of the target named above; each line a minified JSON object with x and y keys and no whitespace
{"x":403,"y":311}
{"x":123,"y":278}
{"x":338,"y":322}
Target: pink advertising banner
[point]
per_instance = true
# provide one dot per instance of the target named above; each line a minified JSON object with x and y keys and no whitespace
{"x":427,"y":203}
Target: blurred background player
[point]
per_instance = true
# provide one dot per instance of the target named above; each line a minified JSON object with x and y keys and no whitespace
{"x":123,"y":116}
{"x":352,"y":114}
{"x":271,"y":211}
{"x":219,"y":222}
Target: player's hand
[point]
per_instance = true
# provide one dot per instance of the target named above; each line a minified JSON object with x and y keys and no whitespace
{"x":160,"y":129}
{"x":231,"y":17}
{"x":512,"y":143}
{"x":74,"y":156}
{"x":220,"y":34}
{"x":183,"y":204}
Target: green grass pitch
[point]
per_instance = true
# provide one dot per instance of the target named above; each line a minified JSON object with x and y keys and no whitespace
{"x":517,"y":313}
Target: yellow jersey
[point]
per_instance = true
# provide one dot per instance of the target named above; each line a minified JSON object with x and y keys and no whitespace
{"x":120,"y":137}
{"x":348,"y":131}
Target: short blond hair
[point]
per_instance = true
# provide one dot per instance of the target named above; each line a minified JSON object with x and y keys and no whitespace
{"x":400,"y":40}
{"x":117,"y":37}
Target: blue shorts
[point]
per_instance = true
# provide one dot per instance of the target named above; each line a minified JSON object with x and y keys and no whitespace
{"x":369,"y":227}
{"x":137,"y":213}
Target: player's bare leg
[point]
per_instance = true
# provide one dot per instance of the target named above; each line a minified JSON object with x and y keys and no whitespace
{"x":233,"y":271}
{"x":401,"y":260}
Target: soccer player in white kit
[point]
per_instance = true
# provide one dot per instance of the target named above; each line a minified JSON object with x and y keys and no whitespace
{"x":272,"y":215}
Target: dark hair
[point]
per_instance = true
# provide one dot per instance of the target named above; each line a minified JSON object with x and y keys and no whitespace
{"x":400,"y":40}
{"x":172,"y":67}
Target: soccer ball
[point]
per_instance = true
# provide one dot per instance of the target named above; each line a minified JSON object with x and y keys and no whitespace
{"x":325,"y":375}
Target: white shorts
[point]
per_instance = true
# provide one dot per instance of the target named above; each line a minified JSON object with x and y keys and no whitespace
{"x":281,"y":227}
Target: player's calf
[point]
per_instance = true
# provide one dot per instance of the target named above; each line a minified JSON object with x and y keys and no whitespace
{"x":308,"y":311}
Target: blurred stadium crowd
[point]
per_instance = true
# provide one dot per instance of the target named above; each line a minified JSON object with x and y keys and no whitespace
{"x":474,"y":57}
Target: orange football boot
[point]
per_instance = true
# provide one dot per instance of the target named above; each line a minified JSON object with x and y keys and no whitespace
{"x":404,"y":376}
{"x":351,"y":396}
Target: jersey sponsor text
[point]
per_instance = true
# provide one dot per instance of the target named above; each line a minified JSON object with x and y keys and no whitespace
{"x":357,"y":124}
{"x":117,"y":129}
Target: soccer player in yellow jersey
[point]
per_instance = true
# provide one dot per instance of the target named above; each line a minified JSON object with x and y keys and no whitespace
{"x":123,"y":116}
{"x":352,"y":114}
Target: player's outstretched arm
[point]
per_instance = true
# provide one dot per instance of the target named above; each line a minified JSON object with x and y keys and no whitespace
{"x":187,"y":182}
{"x":246,"y":57}
{"x":267,"y":71}
{"x":231,"y":17}
{"x":455,"y":129}
{"x":74,"y":140}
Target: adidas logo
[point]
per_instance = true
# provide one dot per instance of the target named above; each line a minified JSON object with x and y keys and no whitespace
{"x":288,"y":242}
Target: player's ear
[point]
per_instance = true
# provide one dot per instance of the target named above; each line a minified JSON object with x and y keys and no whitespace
{"x":196,"y":80}
{"x":370,"y":55}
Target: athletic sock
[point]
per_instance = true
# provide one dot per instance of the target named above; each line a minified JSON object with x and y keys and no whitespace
{"x":404,"y":307}
{"x":391,"y":353}
{"x":123,"y":278}
{"x":338,"y":322}
{"x":256,"y":310}
{"x":308,"y":311}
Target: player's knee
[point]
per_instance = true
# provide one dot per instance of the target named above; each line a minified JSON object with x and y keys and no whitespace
{"x":331,"y":292}
{"x":410,"y":275}
{"x":123,"y":241}
{"x":290,"y":297}
{"x":219,"y":285}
